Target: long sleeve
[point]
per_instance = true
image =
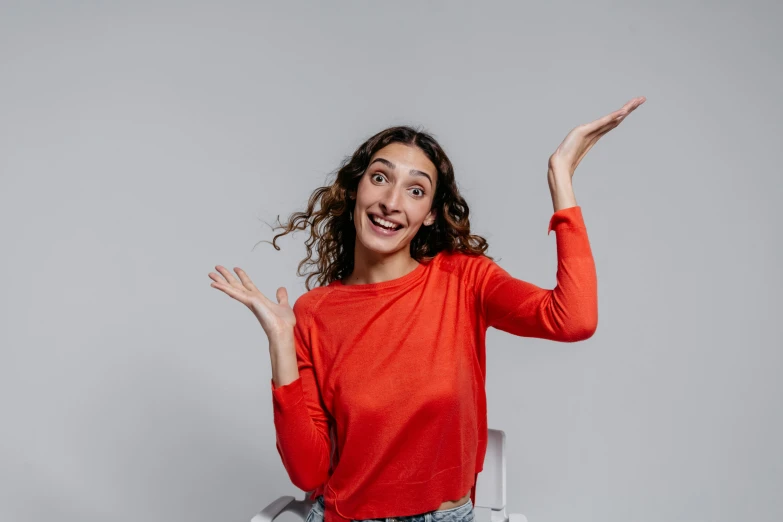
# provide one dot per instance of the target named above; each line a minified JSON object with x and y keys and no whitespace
{"x":301,"y":423}
{"x":567,"y":313}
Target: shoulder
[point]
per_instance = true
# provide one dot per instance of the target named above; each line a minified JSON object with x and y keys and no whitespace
{"x":459,"y":259}
{"x":308,"y":302}
{"x":469,"y":267}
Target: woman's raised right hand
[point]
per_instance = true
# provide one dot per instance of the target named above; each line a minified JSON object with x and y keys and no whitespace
{"x":276,"y":319}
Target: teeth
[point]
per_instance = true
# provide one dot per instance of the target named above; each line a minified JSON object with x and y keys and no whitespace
{"x":383,"y":222}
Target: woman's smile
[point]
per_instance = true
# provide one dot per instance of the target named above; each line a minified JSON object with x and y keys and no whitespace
{"x":381,"y":228}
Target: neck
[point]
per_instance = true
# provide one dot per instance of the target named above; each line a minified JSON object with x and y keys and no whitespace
{"x":371,"y":267}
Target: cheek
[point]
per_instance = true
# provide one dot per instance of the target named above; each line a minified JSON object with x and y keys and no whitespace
{"x":424,"y":212}
{"x":365,"y":192}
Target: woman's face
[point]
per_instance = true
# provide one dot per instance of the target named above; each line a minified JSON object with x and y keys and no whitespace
{"x":398,"y":187}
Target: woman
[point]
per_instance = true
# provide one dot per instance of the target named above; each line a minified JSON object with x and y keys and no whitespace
{"x":378,"y":373}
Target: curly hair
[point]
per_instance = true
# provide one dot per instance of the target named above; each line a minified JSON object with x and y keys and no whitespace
{"x":333,"y":233}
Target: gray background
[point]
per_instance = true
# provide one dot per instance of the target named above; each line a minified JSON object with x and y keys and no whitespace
{"x":143,"y":143}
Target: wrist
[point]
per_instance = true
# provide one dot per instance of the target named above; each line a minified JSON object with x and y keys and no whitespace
{"x":561,"y":189}
{"x":559,"y":177}
{"x":281,"y":341}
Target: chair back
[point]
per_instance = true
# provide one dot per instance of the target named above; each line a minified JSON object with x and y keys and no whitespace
{"x":491,"y":482}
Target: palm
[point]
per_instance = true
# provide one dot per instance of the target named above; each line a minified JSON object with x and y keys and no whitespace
{"x":275,"y":318}
{"x":582,"y":138}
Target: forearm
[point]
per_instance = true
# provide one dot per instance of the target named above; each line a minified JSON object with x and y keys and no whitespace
{"x":561,"y":189}
{"x":301,"y":423}
{"x":283,"y":356}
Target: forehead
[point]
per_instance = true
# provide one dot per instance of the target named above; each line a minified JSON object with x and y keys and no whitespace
{"x":406,"y":157}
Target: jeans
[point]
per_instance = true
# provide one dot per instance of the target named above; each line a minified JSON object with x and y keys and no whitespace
{"x":463,"y":513}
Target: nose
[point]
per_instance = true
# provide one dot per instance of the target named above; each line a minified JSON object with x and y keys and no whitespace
{"x":390,"y":201}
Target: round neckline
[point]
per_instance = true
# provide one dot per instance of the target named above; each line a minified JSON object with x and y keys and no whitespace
{"x":391,"y":283}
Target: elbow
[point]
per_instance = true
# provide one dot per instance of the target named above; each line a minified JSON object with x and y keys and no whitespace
{"x":588,"y":332}
{"x":301,"y":472}
{"x":588,"y":329}
{"x":308,"y":485}
{"x":309,"y":479}
{"x":582,"y":331}
{"x":586,"y":322}
{"x":573,"y":320}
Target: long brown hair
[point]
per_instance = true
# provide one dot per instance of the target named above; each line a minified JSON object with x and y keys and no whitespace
{"x":333,"y":234}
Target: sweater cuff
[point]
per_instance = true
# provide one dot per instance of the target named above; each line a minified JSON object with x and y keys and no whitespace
{"x":570,"y":217}
{"x":287,"y":395}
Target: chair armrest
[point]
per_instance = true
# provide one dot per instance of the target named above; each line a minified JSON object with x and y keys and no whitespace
{"x":286,"y":503}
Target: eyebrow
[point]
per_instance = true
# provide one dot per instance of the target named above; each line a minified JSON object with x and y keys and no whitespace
{"x":391,"y":165}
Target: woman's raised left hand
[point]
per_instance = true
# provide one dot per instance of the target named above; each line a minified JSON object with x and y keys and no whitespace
{"x":582,"y":138}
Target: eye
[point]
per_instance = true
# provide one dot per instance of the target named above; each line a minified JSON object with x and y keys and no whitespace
{"x":421,"y":192}
{"x":375,"y":176}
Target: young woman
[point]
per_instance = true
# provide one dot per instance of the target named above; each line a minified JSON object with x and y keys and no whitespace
{"x":378,"y":373}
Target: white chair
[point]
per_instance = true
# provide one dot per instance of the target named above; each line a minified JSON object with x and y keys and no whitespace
{"x":490,"y":505}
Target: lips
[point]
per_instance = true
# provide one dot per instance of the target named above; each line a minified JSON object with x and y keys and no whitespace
{"x":380,"y":230}
{"x":397,"y":225}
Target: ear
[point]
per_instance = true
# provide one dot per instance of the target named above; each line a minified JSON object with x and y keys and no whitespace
{"x":351,"y":194}
{"x":430,"y":219}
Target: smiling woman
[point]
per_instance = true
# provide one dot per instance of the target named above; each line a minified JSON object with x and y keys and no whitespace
{"x":398,"y":178}
{"x":378,"y":373}
{"x":393,"y":201}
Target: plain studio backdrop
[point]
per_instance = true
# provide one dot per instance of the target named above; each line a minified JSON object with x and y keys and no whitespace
{"x":143,"y":143}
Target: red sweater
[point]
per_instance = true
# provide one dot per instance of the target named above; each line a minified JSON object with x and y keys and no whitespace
{"x":388,"y":417}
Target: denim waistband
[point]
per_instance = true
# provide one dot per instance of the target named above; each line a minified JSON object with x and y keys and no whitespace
{"x":462,"y":513}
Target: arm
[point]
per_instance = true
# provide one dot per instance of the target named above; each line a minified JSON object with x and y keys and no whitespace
{"x":567,"y":313}
{"x":301,"y":422}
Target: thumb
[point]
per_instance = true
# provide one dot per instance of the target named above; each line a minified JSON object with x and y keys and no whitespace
{"x":282,"y":296}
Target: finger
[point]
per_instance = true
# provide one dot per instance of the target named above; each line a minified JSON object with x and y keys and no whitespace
{"x":217,"y":278}
{"x":633,"y":103}
{"x":248,"y":284}
{"x":602,"y":122}
{"x":245,"y":279}
{"x":615,"y":116}
{"x":629,"y":107}
{"x":244,"y":284}
{"x":230,"y":279}
{"x":282,"y":296}
{"x":608,"y":123}
{"x":230,"y":291}
{"x":637,"y":101}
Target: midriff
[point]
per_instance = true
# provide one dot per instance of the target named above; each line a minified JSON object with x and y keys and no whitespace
{"x":454,"y":503}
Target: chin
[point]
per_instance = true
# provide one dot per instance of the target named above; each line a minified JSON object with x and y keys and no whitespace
{"x":381,"y":246}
